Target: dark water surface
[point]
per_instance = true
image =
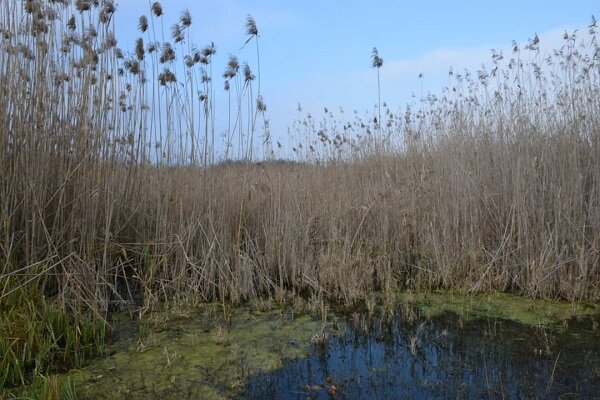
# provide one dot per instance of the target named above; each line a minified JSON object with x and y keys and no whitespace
{"x":445,"y":358}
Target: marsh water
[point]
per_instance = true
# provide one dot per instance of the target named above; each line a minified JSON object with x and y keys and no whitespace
{"x":469,"y":349}
{"x":444,"y":357}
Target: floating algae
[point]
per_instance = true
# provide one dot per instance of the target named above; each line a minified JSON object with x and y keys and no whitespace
{"x":198,"y":357}
{"x":434,"y":345}
{"x":526,"y":311}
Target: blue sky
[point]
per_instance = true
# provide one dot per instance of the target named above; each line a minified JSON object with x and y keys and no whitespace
{"x":317,"y":53}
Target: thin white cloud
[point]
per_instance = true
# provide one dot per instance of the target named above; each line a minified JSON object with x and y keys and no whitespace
{"x":434,"y":65}
{"x":357,"y":89}
{"x":439,"y":61}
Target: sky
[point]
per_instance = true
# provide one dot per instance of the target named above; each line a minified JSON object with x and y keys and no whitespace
{"x":318,"y":53}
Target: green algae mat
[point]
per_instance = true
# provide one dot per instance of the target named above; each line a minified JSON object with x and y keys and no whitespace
{"x":207,"y":355}
{"x":216,"y":351}
{"x":527,"y":311}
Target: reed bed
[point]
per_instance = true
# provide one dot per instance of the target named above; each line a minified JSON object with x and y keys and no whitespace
{"x":116,"y":191}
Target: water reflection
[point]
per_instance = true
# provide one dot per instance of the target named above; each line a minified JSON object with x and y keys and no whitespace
{"x":443,"y":358}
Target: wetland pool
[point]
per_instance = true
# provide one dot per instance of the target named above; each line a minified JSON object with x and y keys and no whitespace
{"x":444,"y":357}
{"x":469,"y":348}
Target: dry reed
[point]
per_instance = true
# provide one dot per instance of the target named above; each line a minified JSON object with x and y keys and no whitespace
{"x":493,"y":186}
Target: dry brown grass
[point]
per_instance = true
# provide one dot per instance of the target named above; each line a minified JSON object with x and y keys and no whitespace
{"x":464,"y":194}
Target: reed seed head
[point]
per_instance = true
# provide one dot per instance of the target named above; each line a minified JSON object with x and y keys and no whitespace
{"x":71,"y":23}
{"x":139,"y":48}
{"x":233,"y":67}
{"x":261,"y":107}
{"x":166,"y":77}
{"x":205,"y":78}
{"x":32,"y":6}
{"x":377,"y":61}
{"x":157,"y":9}
{"x":108,"y":9}
{"x":143,"y":24}
{"x":83,"y":5}
{"x":186,"y":18}
{"x":251,"y":28}
{"x":40,"y":27}
{"x":133,"y":66}
{"x":248,"y":75}
{"x":110,"y":41}
{"x":92,"y":33}
{"x":177,"y":33}
{"x":152,"y":47}
{"x":168,"y":53}
{"x":208,"y":51}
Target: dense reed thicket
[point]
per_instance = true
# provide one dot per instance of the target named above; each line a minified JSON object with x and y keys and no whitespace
{"x":111,"y":191}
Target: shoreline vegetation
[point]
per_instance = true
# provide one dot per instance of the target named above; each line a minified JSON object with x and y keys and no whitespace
{"x":117,"y":193}
{"x":215,"y":350}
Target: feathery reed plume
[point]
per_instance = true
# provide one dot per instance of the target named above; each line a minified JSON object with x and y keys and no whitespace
{"x":377,"y":62}
{"x":91,"y":34}
{"x":133,"y":66}
{"x":186,"y":18}
{"x":157,"y":9}
{"x":205,"y":78}
{"x":248,"y":75}
{"x":208,"y":51}
{"x":248,"y":79}
{"x":152,"y":47}
{"x":108,"y":6}
{"x":110,"y":41}
{"x":251,"y":28}
{"x":143,"y":24}
{"x":108,"y":9}
{"x":233,"y":66}
{"x":261,"y":107}
{"x":32,"y":7}
{"x":252,"y":32}
{"x":167,"y":76}
{"x":177,"y":33}
{"x":139,"y":49}
{"x":71,"y":23}
{"x":168,"y":53}
{"x":230,"y":73}
{"x":83,"y":5}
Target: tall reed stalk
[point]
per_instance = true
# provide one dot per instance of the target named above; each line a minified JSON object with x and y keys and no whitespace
{"x":489,"y":186}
